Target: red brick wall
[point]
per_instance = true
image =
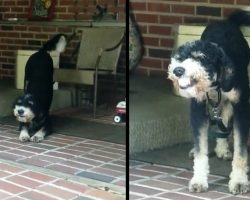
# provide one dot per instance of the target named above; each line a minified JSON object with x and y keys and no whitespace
{"x":156,"y":19}
{"x":26,"y":36}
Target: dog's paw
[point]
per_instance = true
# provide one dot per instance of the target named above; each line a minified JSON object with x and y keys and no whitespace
{"x":37,"y":138}
{"x":24,"y":137}
{"x":197,"y":186}
{"x":222,"y":150}
{"x":238,"y":188}
{"x":225,"y":155}
{"x":191,"y":153}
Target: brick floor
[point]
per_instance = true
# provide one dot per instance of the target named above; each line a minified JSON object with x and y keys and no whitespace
{"x":158,"y":182}
{"x":57,"y":168}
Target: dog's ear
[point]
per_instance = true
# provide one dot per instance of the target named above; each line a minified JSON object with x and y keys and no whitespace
{"x":226,"y":72}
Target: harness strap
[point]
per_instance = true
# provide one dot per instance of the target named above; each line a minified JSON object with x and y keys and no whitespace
{"x":216,"y":119}
{"x":224,"y":131}
{"x":211,"y":102}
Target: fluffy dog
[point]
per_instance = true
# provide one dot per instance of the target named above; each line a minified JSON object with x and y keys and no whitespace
{"x":212,"y":72}
{"x":32,"y":109}
{"x":34,"y":123}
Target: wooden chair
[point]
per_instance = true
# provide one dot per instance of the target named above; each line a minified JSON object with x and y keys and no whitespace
{"x":99,"y":52}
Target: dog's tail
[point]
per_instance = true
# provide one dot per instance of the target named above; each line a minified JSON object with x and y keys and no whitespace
{"x":50,"y":45}
{"x":240,"y":18}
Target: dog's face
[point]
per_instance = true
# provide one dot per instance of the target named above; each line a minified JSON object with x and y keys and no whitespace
{"x":24,"y":108}
{"x":196,"y":68}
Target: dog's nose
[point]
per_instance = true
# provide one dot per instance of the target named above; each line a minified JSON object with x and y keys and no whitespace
{"x":179,"y":71}
{"x":20,"y":112}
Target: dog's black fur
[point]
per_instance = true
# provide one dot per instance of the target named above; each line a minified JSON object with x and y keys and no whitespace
{"x":32,"y":119}
{"x":223,"y":55}
{"x":38,"y":79}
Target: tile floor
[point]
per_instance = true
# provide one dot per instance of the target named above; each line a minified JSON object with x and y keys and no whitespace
{"x":158,"y":182}
{"x":61,"y":167}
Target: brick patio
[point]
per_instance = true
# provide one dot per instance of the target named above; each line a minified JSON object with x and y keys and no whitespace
{"x":158,"y":182}
{"x":61,"y":167}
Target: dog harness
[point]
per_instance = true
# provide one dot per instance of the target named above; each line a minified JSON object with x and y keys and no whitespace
{"x":214,"y":113}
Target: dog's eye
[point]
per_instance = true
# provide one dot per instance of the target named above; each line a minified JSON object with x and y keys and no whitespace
{"x":31,"y":102}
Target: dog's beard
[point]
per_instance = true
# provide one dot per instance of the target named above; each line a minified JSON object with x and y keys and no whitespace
{"x":194,"y":83}
{"x":189,"y":92}
{"x":189,"y":87}
{"x":24,"y":117}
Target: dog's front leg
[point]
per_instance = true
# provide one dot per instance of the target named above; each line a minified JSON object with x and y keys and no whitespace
{"x":38,"y":136}
{"x":200,"y":125}
{"x":238,"y":183}
{"x":222,"y":145}
{"x":24,"y":134}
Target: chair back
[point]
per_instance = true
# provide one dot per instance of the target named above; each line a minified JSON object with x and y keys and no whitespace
{"x":95,"y":38}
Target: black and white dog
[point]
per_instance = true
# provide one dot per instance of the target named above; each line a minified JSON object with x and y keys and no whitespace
{"x":32,"y":109}
{"x":34,"y":123}
{"x":213,"y":73}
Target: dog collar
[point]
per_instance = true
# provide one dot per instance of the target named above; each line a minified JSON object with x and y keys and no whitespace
{"x":214,"y":114}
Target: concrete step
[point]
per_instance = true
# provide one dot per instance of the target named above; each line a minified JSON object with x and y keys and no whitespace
{"x":157,"y":117}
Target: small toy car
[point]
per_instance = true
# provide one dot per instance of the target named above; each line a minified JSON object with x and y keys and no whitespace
{"x":120,"y":112}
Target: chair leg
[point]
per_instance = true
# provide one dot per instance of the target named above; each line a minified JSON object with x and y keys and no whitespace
{"x":72,"y":98}
{"x":95,"y":97}
{"x":96,"y":80}
{"x":77,"y":96}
